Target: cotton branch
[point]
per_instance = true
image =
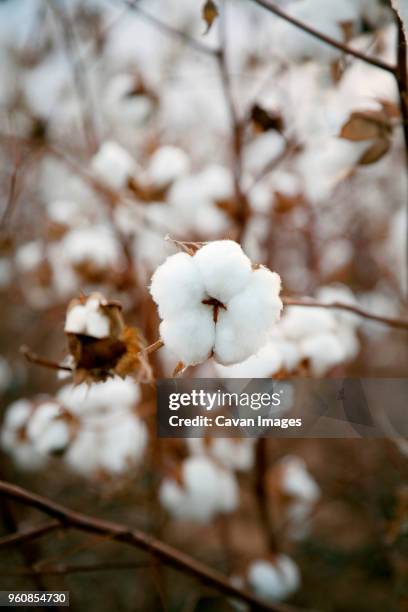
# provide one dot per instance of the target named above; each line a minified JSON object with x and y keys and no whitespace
{"x":137,"y":539}
{"x":309,"y":303}
{"x":269,"y":6}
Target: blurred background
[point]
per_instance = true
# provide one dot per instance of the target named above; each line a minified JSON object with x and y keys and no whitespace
{"x":123,"y":123}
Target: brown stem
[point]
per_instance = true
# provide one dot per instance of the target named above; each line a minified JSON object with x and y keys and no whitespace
{"x":137,"y":539}
{"x":309,"y":303}
{"x":41,"y":361}
{"x":269,"y":6}
{"x":29,"y":534}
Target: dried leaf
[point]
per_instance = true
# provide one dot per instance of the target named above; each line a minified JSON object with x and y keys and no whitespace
{"x":209,"y":13}
{"x":366,"y":125}
{"x":374,"y":153}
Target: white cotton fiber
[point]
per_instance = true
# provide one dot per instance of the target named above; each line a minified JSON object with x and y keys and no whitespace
{"x":324,"y":351}
{"x":224,"y":268}
{"x":274,"y":581}
{"x":75,"y":322}
{"x":167,"y":164}
{"x":191,"y":335}
{"x":97,"y":325}
{"x":176,"y":285}
{"x":250,"y":316}
{"x":113,"y":165}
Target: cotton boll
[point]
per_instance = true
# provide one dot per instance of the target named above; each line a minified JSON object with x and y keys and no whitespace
{"x":275,"y":580}
{"x":206,"y":490}
{"x":123,"y":444}
{"x":167,"y":164}
{"x":176,"y":285}
{"x":324,"y":351}
{"x":82,"y":455}
{"x":96,"y":244}
{"x":29,"y":256}
{"x":113,"y":165}
{"x":262,"y":150}
{"x":113,"y":395}
{"x":191,"y":335}
{"x":224,"y":268}
{"x":55,"y":438}
{"x":297,"y":481}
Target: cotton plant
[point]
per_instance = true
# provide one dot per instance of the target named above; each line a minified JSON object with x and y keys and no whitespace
{"x":214,"y":303}
{"x":199,"y":490}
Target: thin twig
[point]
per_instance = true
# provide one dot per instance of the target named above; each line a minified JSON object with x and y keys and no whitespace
{"x":27,"y":535}
{"x":41,"y":361}
{"x":309,"y":303}
{"x":269,"y":6}
{"x":137,"y":539}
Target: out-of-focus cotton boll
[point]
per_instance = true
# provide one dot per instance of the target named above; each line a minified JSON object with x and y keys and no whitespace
{"x":65,"y":212}
{"x":96,"y":245}
{"x":195,"y":196}
{"x":113,"y":165}
{"x":264,"y":364}
{"x":205,"y":490}
{"x":217,"y":290}
{"x":46,"y":430}
{"x":300,"y":45}
{"x":233,"y":454}
{"x":121,"y":105}
{"x":263,"y":149}
{"x":300,"y":322}
{"x":101,"y":398}
{"x":111,"y":438}
{"x":297,"y":480}
{"x":274,"y":580}
{"x":323,"y":352}
{"x":167,"y":164}
{"x":44,"y":84}
{"x":29,"y":256}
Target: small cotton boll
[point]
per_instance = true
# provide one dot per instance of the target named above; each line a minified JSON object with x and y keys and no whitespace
{"x":75,"y":322}
{"x":113,"y":165}
{"x":274,"y":581}
{"x":176,"y":285}
{"x":167,"y":164}
{"x":191,"y":336}
{"x":324,"y":351}
{"x":224,"y":268}
{"x":97,"y":325}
